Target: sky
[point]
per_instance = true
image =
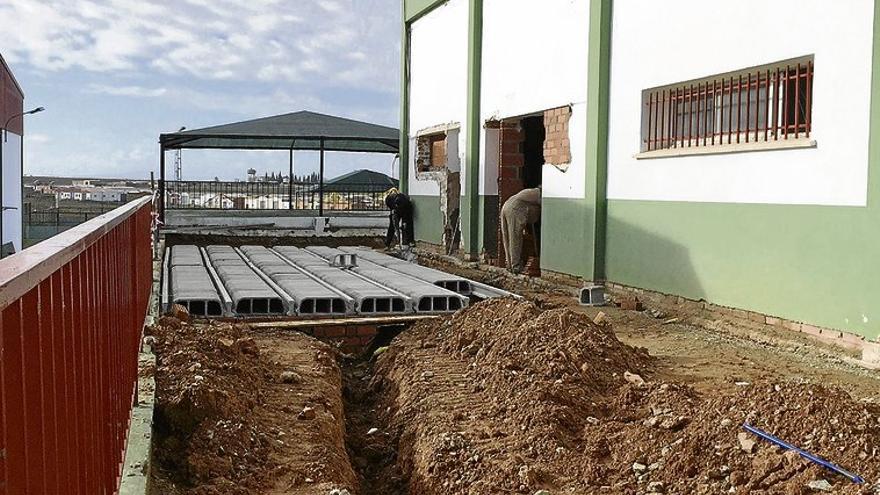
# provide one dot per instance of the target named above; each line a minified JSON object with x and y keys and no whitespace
{"x":114,"y":74}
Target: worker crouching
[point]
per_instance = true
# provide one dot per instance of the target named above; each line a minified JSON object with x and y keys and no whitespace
{"x":520,"y":211}
{"x":400,"y":218}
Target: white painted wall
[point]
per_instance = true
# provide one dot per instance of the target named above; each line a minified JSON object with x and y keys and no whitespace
{"x":438,"y":82}
{"x":534,"y":59}
{"x":658,"y":43}
{"x":12,"y":189}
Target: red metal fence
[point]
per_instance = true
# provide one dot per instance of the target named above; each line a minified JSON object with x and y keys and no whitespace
{"x":760,"y":105}
{"x":71,"y":314}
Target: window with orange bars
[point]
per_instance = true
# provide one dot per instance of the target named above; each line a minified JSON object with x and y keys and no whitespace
{"x":768,"y":103}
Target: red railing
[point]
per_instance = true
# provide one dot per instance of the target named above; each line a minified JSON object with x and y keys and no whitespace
{"x":765,"y":104}
{"x":72,"y":310}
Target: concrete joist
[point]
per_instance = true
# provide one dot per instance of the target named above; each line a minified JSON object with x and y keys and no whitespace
{"x":426,"y":297}
{"x":251,"y":295}
{"x":189,"y":283}
{"x":448,"y":281}
{"x":309,"y":294}
{"x":369,"y":297}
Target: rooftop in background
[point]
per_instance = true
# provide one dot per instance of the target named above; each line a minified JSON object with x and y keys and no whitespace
{"x":298,"y":130}
{"x":360,"y":178}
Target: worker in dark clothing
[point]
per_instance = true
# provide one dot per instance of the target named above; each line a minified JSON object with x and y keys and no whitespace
{"x":400,"y":220}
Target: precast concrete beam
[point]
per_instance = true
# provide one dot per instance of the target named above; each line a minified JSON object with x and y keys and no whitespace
{"x":186,"y":255}
{"x":250,"y":294}
{"x":309,"y":295}
{"x":369,"y":297}
{"x":427,"y":297}
{"x":439,"y":278}
{"x":190,"y":284}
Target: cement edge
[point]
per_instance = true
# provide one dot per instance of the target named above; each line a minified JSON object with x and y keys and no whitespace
{"x":137,"y":463}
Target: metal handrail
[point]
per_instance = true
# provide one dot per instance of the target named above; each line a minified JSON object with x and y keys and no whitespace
{"x":24,"y":270}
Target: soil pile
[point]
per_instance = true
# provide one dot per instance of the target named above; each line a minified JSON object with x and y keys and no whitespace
{"x":504,"y":398}
{"x":239,"y":414}
{"x":494,"y":399}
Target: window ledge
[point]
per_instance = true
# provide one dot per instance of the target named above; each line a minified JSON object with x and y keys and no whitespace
{"x":781,"y":144}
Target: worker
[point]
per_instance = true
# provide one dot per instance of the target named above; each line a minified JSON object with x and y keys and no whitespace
{"x":400,"y":220}
{"x":520,"y":211}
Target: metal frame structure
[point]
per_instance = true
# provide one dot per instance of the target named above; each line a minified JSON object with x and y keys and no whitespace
{"x":305,"y":131}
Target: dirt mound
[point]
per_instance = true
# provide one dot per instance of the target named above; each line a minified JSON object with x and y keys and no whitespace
{"x":494,"y":399}
{"x":229,"y":414}
{"x":504,"y":398}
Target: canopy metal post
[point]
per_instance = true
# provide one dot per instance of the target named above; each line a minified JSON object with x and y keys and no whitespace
{"x":321,"y":186}
{"x":162,"y":183}
{"x":290,"y":181}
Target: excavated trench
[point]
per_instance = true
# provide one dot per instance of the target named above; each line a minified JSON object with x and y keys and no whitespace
{"x":499,"y":398}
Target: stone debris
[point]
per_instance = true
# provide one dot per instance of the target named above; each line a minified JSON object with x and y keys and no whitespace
{"x":307,"y":413}
{"x":746,"y":442}
{"x":633,"y":378}
{"x":290,"y":377}
{"x":820,"y":486}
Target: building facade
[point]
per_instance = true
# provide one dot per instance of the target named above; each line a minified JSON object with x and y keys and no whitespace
{"x":11,"y":105}
{"x":740,"y":171}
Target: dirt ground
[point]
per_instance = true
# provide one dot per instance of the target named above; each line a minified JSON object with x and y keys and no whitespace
{"x":240,"y":412}
{"x":524,"y":397}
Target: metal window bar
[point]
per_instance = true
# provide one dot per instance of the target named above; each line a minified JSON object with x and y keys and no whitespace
{"x":750,"y":107}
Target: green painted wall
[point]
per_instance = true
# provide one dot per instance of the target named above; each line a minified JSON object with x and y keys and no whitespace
{"x":427,"y":219}
{"x":470,"y":199}
{"x":806,"y":263}
{"x":598,"y":82}
{"x":565,"y":235}
{"x":413,"y":9}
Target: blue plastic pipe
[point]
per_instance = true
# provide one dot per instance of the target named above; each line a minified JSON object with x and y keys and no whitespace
{"x":803,"y":453}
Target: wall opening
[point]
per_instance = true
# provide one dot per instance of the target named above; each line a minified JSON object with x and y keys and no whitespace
{"x":437,"y":159}
{"x":525,"y":144}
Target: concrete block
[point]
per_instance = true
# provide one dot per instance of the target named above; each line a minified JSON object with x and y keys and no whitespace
{"x":812,"y":330}
{"x":792,"y":325}
{"x":871,"y":353}
{"x":757,"y":317}
{"x":772,"y":320}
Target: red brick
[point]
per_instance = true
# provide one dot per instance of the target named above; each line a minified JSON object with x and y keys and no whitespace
{"x":512,"y":160}
{"x":509,"y":146}
{"x":367,"y":330}
{"x":510,"y":172}
{"x":333,"y":332}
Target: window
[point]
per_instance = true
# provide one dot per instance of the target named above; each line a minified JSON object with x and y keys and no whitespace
{"x":768,"y":103}
{"x":431,"y":149}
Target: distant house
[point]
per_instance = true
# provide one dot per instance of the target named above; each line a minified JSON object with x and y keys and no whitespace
{"x":359,"y":190}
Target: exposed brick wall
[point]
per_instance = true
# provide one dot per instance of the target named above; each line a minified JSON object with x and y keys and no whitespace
{"x":557,"y":146}
{"x":431,"y":152}
{"x":351,"y":338}
{"x":510,"y":164}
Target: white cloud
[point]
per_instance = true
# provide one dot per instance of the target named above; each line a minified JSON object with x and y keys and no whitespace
{"x":208,"y":39}
{"x":138,"y":91}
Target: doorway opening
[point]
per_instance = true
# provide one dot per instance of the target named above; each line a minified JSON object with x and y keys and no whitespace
{"x":520,"y":163}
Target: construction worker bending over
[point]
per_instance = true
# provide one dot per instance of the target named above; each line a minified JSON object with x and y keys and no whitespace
{"x":520,"y":211}
{"x":400,"y":220}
